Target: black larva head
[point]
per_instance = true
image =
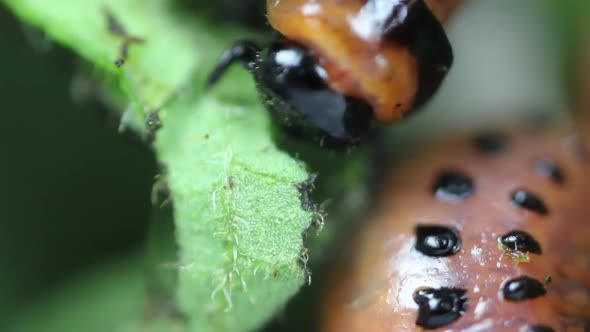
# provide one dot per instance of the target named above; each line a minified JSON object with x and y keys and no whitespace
{"x":295,"y":91}
{"x":293,"y":87}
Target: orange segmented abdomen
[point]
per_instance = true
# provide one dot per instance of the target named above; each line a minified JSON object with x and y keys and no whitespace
{"x":494,"y":231}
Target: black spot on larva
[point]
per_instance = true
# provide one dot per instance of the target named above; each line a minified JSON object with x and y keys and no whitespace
{"x":490,"y":142}
{"x":529,"y":201}
{"x":538,"y":328}
{"x":548,"y":168}
{"x":453,"y":185}
{"x":439,"y":307}
{"x":521,"y":241}
{"x":523,"y":288}
{"x":437,"y":241}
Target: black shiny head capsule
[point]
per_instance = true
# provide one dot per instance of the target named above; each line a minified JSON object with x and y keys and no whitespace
{"x":520,"y":241}
{"x":549,"y":169}
{"x":437,"y":241}
{"x":453,"y":185}
{"x":490,"y":142}
{"x":439,"y":307}
{"x":295,"y":92}
{"x":537,"y":328}
{"x":529,"y":201}
{"x":523,"y":288}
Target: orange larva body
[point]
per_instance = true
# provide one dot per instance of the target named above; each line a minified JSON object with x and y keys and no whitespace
{"x":351,"y":42}
{"x":473,"y":187}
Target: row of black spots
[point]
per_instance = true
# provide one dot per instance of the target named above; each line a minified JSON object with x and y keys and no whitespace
{"x":522,"y":241}
{"x":493,"y":143}
{"x":453,"y":185}
{"x":442,"y":306}
{"x":439,"y":306}
{"x":523,"y":288}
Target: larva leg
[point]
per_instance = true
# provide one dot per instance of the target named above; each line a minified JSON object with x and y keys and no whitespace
{"x":243,"y":51}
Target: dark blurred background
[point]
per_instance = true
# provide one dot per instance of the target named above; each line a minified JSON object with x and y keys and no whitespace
{"x":74,"y":191}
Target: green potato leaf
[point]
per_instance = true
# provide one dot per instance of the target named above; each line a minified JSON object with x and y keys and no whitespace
{"x":237,"y":208}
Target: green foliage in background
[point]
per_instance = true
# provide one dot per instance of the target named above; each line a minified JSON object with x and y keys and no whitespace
{"x":93,"y":301}
{"x":574,"y":21}
{"x":238,"y":215}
